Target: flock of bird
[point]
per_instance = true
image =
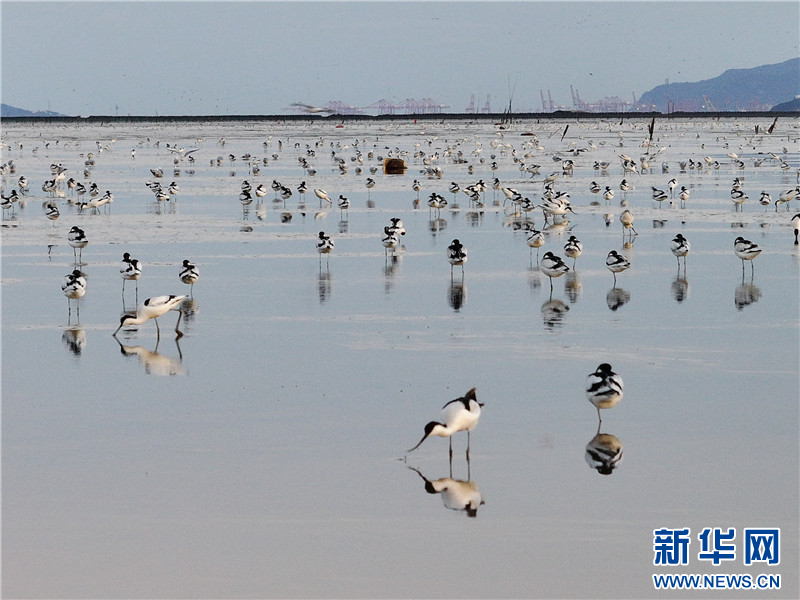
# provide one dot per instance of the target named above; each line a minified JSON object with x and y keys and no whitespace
{"x":604,"y":388}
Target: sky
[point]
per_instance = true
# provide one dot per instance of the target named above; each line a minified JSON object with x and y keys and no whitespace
{"x":218,"y":58}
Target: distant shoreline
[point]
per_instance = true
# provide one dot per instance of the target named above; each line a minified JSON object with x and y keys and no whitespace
{"x":499,"y":118}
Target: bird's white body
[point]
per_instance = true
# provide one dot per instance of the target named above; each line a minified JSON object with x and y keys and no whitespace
{"x":604,"y":388}
{"x":74,"y":285}
{"x":77,"y":237}
{"x":188,"y":273}
{"x":130,"y":269}
{"x":745,"y":249}
{"x":573,"y":248}
{"x":626,"y":218}
{"x":616,"y":263}
{"x":324,"y":243}
{"x":152,"y":308}
{"x":461,"y":414}
{"x":552,"y":266}
{"x":456,"y":254}
{"x":679,"y":246}
{"x":787,"y":197}
{"x":390,"y":238}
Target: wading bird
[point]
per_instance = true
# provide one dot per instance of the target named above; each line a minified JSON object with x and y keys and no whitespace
{"x":746,"y":250}
{"x":152,"y":308}
{"x":604,"y":388}
{"x":78,"y":240}
{"x":456,"y":255}
{"x":680,"y":247}
{"x":130,"y":270}
{"x":189,"y":274}
{"x":616,"y":263}
{"x":552,"y":266}
{"x":461,"y":414}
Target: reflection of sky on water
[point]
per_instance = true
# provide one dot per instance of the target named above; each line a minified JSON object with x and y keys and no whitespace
{"x":270,"y":467}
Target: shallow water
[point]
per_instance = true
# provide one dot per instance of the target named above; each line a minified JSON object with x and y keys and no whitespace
{"x":273,"y":463}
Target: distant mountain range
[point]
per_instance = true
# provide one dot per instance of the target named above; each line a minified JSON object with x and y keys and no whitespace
{"x":768,"y":87}
{"x":759,"y":88}
{"x":13,"y":111}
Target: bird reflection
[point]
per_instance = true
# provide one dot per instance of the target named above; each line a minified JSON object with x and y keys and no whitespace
{"x":389,"y":271}
{"x":617,"y":297}
{"x":603,"y":452}
{"x":458,"y":495}
{"x":572,"y":286}
{"x":437,"y":225}
{"x":553,"y":312}
{"x":474,"y":218}
{"x":189,"y":307}
{"x":324,"y":285}
{"x":457,"y":294}
{"x":746,"y":294}
{"x":680,"y":288}
{"x":155,"y":363}
{"x":534,"y":278}
{"x":74,"y":339}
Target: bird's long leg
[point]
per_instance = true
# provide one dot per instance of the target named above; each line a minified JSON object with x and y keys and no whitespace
{"x":615,"y":285}
{"x":451,"y":448}
{"x":158,"y":329}
{"x":599,"y":418}
{"x":178,"y":331}
{"x":467,"y":449}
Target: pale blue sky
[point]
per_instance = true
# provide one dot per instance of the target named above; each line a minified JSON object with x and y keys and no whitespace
{"x":193,"y":58}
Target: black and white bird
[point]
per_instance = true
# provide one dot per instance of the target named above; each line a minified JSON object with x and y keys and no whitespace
{"x":152,"y":308}
{"x":746,"y":250}
{"x":626,"y":218}
{"x":616,"y":263}
{"x":74,"y":285}
{"x":456,"y":255}
{"x":573,"y":249}
{"x":552,"y":266}
{"x":130,"y":270}
{"x":324,"y":244}
{"x":738,"y":197}
{"x":603,"y":388}
{"x":684,"y":196}
{"x":680,"y":247}
{"x":78,"y":240}
{"x":322,"y":195}
{"x":535,"y":239}
{"x":74,"y":288}
{"x":396,"y":225}
{"x":390,"y":240}
{"x":189,"y":274}
{"x":659,"y":195}
{"x":461,"y":414}
{"x":796,"y":226}
{"x":786,"y":197}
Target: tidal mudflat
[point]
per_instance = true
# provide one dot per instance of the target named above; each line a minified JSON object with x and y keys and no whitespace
{"x":263,"y":453}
